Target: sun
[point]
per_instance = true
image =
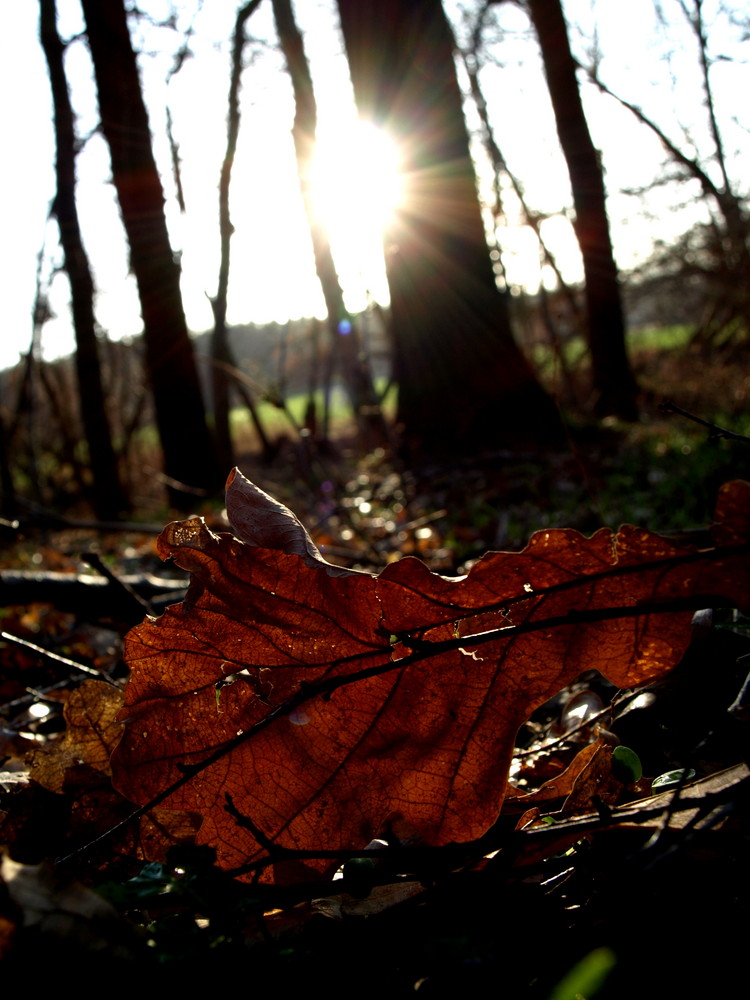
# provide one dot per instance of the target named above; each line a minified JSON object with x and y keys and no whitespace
{"x":356,"y":183}
{"x":357,"y":187}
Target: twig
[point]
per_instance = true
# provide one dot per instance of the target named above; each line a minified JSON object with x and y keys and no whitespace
{"x":581,"y":727}
{"x":274,"y":850}
{"x":15,"y":640}
{"x":91,"y":597}
{"x":412,"y":859}
{"x":96,"y":562}
{"x":40,"y":516}
{"x":716,"y":432}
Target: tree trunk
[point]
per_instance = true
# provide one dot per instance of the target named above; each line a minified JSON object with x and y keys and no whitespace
{"x":613,"y":377}
{"x":221,"y":354}
{"x":8,"y":504}
{"x":188,"y":456}
{"x":464,"y":386}
{"x":345,"y":341}
{"x":109,"y":496}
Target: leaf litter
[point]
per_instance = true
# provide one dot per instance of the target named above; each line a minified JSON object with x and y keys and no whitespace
{"x":295,"y":711}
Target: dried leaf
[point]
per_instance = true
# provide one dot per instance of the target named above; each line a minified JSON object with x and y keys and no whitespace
{"x":78,"y":766}
{"x":61,"y":911}
{"x":555,"y":788}
{"x":92,"y":732}
{"x":328,"y":703}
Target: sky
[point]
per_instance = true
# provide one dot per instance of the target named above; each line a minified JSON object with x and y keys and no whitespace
{"x":649,"y":62}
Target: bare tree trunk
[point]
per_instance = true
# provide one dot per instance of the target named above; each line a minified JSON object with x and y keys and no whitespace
{"x":531,"y":218}
{"x":221,"y":353}
{"x":180,"y":416}
{"x":345,"y":342}
{"x":464,"y":385}
{"x":613,"y":377}
{"x":110,"y":499}
{"x":8,"y":504}
{"x":500,"y":168}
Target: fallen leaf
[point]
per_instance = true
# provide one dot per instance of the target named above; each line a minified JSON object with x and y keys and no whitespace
{"x":658,"y":813}
{"x":78,"y":766}
{"x":60,"y":911}
{"x":328,"y":703}
{"x":91,"y":733}
{"x":559,"y":787}
{"x":595,"y":783}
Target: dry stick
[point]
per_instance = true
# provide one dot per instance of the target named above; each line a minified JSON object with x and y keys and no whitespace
{"x":696,"y":825}
{"x":586,"y":724}
{"x":421,"y":650}
{"x":40,"y":516}
{"x":15,"y":640}
{"x":453,"y":854}
{"x":716,"y":432}
{"x":653,"y":842}
{"x":277,"y":852}
{"x":33,"y":695}
{"x":118,"y":583}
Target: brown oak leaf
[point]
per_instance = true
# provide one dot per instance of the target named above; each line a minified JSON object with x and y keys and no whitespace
{"x":328,"y":702}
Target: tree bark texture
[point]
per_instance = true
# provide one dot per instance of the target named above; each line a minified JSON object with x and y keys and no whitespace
{"x":180,"y":415}
{"x":464,"y":385}
{"x":109,"y":496}
{"x":612,"y":374}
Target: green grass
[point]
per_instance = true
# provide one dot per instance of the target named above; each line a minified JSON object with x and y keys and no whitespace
{"x":276,"y":420}
{"x":285,"y":419}
{"x":574,"y":350}
{"x":660,"y":338}
{"x":667,"y":477}
{"x":545,"y":360}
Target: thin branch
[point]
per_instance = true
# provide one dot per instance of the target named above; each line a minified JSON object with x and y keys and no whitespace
{"x":698,"y":27}
{"x":716,"y":432}
{"x":418,"y":858}
{"x":691,"y":165}
{"x":31,"y":647}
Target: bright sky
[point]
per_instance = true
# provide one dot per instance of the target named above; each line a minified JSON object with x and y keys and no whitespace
{"x":272,"y":274}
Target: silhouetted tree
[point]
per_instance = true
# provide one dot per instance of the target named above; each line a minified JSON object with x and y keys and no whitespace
{"x":463,"y":383}
{"x":503,"y":174}
{"x":345,"y":341}
{"x":109,"y":496}
{"x":180,"y":415}
{"x":221,"y":353}
{"x":8,"y":505}
{"x":612,"y":375}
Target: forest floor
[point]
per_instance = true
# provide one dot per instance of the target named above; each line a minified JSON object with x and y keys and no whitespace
{"x":640,"y":892}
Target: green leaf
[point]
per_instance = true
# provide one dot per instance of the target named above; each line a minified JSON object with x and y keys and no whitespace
{"x":626,"y":765}
{"x":586,"y":977}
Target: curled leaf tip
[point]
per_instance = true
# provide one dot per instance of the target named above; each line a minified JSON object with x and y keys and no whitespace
{"x":191,"y":533}
{"x":259,"y":520}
